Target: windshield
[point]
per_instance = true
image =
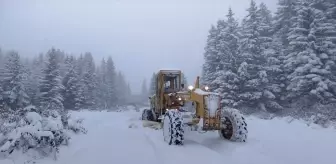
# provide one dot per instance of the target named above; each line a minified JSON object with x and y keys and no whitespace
{"x":172,"y":83}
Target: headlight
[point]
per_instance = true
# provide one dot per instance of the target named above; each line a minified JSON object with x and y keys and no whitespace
{"x":179,"y":98}
{"x":190,"y":87}
{"x":206,"y":88}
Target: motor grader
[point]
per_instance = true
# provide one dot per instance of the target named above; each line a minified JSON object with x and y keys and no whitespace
{"x":176,"y":107}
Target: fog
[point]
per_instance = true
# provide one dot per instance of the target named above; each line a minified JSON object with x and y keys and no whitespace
{"x":142,"y":36}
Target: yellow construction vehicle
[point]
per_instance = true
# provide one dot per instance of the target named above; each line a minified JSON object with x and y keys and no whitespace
{"x":175,"y":107}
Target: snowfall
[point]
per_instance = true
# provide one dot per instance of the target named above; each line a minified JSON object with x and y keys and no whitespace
{"x":120,"y":138}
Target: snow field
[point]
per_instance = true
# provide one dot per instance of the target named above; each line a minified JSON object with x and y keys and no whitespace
{"x":111,"y":139}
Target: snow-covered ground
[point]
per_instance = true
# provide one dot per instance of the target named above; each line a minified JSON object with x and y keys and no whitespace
{"x":111,"y":140}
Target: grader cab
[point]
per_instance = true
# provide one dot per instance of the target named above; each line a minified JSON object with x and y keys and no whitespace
{"x":176,"y":106}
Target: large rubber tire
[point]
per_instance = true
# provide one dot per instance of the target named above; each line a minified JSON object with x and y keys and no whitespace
{"x":148,"y":115}
{"x":234,"y":127}
{"x":173,"y":132}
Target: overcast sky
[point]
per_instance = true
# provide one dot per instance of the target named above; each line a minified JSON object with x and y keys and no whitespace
{"x":142,"y":36}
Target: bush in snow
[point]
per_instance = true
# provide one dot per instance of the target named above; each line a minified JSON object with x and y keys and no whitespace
{"x":75,"y":125}
{"x":36,"y":132}
{"x":45,"y":135}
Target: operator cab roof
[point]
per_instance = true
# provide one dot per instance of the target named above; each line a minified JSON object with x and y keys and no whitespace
{"x":170,"y":71}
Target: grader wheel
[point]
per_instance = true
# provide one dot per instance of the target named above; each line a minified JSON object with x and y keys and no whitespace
{"x":173,"y":131}
{"x":227,"y":131}
{"x":234,"y":127}
{"x":148,"y":115}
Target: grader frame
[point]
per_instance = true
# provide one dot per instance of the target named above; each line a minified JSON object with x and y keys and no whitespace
{"x":176,"y":95}
{"x":167,"y":109}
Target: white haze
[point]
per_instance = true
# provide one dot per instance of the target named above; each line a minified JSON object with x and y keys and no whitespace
{"x":142,"y":36}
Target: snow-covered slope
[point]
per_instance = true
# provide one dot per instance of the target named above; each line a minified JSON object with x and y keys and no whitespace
{"x":111,"y":140}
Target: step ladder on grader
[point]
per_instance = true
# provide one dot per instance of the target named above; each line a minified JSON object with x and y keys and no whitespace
{"x":174,"y":107}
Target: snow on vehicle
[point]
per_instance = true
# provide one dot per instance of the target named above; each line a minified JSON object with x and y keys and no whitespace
{"x":175,"y":107}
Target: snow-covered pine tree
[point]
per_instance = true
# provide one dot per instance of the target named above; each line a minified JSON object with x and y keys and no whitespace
{"x":41,"y":58}
{"x":328,"y":7}
{"x":2,"y":103}
{"x":70,"y":83}
{"x":265,"y":26}
{"x":254,"y":76}
{"x":98,"y":96}
{"x":89,"y":80}
{"x":111,"y":75}
{"x":331,"y":15}
{"x":80,"y":95}
{"x":12,"y":80}
{"x":63,"y":64}
{"x":1,"y":90}
{"x":80,"y":66}
{"x":226,"y":77}
{"x":32,"y":82}
{"x":218,"y":57}
{"x":210,"y":58}
{"x":275,"y":76}
{"x":102,"y":93}
{"x":312,"y":56}
{"x":1,"y":59}
{"x":51,"y":85}
{"x":283,"y":21}
{"x":323,"y":36}
{"x":152,"y":84}
{"x":81,"y":87}
{"x":144,"y":90}
{"x":122,"y":89}
{"x":129,"y":91}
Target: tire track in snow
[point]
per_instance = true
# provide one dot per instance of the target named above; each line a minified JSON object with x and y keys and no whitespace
{"x":188,"y":141}
{"x":158,"y":156}
{"x":189,"y":152}
{"x":234,"y":153}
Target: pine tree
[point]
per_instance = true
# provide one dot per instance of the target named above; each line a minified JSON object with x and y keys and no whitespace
{"x":210,"y":58}
{"x":63,"y":63}
{"x":70,"y":83}
{"x":129,"y":91}
{"x":122,"y":88}
{"x":152,"y":84}
{"x":102,"y":97}
{"x":32,"y":82}
{"x":80,"y":97}
{"x":300,"y":51}
{"x":284,"y":18}
{"x":283,"y":22}
{"x":12,"y":82}
{"x":112,"y":93}
{"x":217,"y":58}
{"x":311,"y":59}
{"x":254,"y":76}
{"x":1,"y":59}
{"x":1,"y":100}
{"x":144,"y":90}
{"x":89,"y":80}
{"x":80,"y":66}
{"x":227,"y":78}
{"x":274,"y":88}
{"x":51,"y":84}
{"x":329,"y":9}
{"x":265,"y":26}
